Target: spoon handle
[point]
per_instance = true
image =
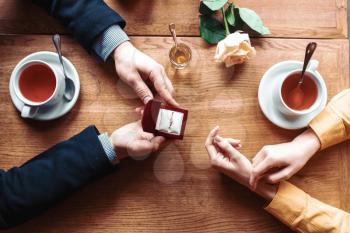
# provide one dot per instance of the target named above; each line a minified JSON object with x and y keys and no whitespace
{"x":56,"y":39}
{"x":173,"y":32}
{"x":310,"y":49}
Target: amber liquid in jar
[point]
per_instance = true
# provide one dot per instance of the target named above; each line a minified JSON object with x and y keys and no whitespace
{"x":180,"y":56}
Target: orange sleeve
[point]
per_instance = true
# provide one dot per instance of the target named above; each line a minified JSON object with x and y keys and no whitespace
{"x":332,"y":125}
{"x":302,"y":213}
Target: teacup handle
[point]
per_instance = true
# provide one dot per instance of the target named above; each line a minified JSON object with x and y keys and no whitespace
{"x":313,"y":65}
{"x":29,"y":112}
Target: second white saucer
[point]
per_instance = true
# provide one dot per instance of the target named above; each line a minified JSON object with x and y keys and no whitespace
{"x":268,"y":86}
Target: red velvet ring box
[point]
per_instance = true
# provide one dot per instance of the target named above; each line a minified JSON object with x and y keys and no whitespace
{"x":164,"y":120}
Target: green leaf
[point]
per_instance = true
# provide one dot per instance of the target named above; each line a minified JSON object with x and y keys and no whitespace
{"x":215,"y":4}
{"x":253,"y":21}
{"x":204,"y":10}
{"x":230,"y":14}
{"x":238,"y":24}
{"x":212,"y":30}
{"x":238,"y":21}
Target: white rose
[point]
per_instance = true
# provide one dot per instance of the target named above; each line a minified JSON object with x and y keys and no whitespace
{"x":234,"y":49}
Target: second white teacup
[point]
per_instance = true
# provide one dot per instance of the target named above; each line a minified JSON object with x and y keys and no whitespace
{"x":321,"y":91}
{"x":38,"y":84}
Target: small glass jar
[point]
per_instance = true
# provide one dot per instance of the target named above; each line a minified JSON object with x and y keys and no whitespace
{"x":180,"y":56}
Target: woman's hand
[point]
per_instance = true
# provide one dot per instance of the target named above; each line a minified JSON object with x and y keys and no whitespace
{"x":280,"y":162}
{"x":225,"y":158}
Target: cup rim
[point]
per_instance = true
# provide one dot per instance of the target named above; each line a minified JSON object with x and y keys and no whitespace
{"x":317,"y":102}
{"x":17,"y":90}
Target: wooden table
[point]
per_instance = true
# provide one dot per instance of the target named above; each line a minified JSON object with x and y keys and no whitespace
{"x":175,"y":190}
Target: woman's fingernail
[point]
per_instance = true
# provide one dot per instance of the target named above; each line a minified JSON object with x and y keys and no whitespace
{"x":218,"y":138}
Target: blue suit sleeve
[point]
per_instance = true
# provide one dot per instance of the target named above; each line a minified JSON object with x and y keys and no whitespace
{"x":87,"y":19}
{"x":28,"y":190}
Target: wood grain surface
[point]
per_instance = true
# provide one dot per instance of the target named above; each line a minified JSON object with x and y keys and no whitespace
{"x":174,"y":190}
{"x":285,"y":18}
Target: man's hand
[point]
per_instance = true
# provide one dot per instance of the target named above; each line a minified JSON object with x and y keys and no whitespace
{"x":280,"y":162}
{"x":225,"y":158}
{"x":136,"y":69}
{"x":131,"y":140}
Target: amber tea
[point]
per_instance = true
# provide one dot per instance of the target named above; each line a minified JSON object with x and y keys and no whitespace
{"x":308,"y":91}
{"x":180,"y":56}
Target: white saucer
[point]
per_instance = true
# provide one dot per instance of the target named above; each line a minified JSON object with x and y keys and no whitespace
{"x":62,"y":107}
{"x":268,"y":86}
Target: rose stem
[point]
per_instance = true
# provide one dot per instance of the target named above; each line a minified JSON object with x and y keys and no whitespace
{"x":225,"y":21}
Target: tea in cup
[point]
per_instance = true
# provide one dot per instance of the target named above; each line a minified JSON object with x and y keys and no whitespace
{"x":38,"y":84}
{"x":297,"y":99}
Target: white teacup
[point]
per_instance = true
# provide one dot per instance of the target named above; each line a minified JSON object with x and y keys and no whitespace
{"x":321,"y":91}
{"x":30,"y":108}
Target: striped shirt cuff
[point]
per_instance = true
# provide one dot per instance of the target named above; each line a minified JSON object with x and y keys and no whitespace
{"x":110,"y":39}
{"x":108,"y":148}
